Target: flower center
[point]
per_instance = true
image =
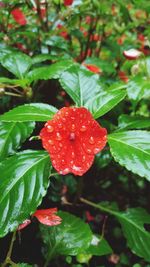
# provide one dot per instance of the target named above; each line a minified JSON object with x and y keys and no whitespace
{"x":72,"y":136}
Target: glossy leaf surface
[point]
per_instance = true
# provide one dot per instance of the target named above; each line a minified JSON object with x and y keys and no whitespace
{"x":80,"y":84}
{"x":29,"y":112}
{"x":104,"y":102}
{"x":49,"y":72}
{"x":17,"y":63}
{"x":12,"y":134}
{"x":23,"y":183}
{"x":131,"y":149}
{"x":71,"y":237}
{"x":99,"y":246}
{"x":133,"y":122}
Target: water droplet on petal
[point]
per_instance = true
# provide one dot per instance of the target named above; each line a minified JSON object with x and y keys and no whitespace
{"x":71,"y":161}
{"x":83,"y":128}
{"x":64,"y":119}
{"x":66,"y":113}
{"x":73,"y":155}
{"x":89,"y":151}
{"x":58,"y":156}
{"x":60,"y":125}
{"x":96,"y":150}
{"x":63,"y":161}
{"x":51,"y":142}
{"x":58,"y":136}
{"x":50,"y":128}
{"x":83,"y":159}
{"x":73,"y":118}
{"x":73,"y":127}
{"x":60,"y":145}
{"x":91,"y":140}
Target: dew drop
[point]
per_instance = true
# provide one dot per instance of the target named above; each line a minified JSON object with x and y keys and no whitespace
{"x":58,"y":136}
{"x":64,"y":119}
{"x":83,"y":159}
{"x":73,"y":127}
{"x":83,"y":128}
{"x":54,"y":161}
{"x":96,"y":150}
{"x":74,"y":109}
{"x":63,"y":161}
{"x":60,"y":145}
{"x":89,"y":151}
{"x":60,"y":125}
{"x":73,"y":155}
{"x":50,"y":128}
{"x":72,"y":162}
{"x":72,"y":136}
{"x":91,"y":140}
{"x":58,"y":156}
{"x":73,"y":118}
{"x":51,"y":142}
{"x":66,"y":113}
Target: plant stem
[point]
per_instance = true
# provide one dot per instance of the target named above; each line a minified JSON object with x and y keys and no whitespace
{"x":13,"y":94}
{"x":8,"y":257}
{"x":98,"y":206}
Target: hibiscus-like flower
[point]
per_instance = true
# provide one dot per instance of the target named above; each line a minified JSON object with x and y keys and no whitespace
{"x":72,"y":138}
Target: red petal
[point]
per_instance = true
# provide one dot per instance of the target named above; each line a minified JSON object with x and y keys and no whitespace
{"x":92,"y":68}
{"x":47,"y":216}
{"x":24,"y":224}
{"x":72,"y":138}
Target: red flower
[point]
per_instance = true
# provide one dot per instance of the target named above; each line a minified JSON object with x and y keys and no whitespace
{"x":92,"y":68}
{"x":47,"y":217}
{"x":132,"y":54}
{"x":68,"y":2}
{"x":72,"y":138}
{"x":19,"y":16}
{"x":24,"y":224}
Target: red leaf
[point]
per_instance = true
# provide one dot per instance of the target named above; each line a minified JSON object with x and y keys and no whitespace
{"x":47,"y":216}
{"x":72,"y":138}
{"x":19,"y":16}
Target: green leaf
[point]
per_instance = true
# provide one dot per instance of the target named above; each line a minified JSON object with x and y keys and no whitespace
{"x":138,"y":88}
{"x":71,"y":237}
{"x":80,"y":84}
{"x":29,"y":112}
{"x":99,"y":246}
{"x":23,"y":183}
{"x":132,"y":122}
{"x":132,"y":222}
{"x":49,"y":72}
{"x":12,"y":135}
{"x":43,"y":57}
{"x":105,"y":101}
{"x":138,"y":239}
{"x":17,"y":63}
{"x":131,"y":149}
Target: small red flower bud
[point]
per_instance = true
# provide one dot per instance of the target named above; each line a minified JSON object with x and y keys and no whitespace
{"x":72,"y":139}
{"x":92,"y":68}
{"x":68,"y":2}
{"x":19,"y":16}
{"x":132,"y":54}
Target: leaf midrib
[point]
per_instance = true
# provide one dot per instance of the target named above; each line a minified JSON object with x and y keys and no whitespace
{"x":7,"y":135}
{"x":127,"y":144}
